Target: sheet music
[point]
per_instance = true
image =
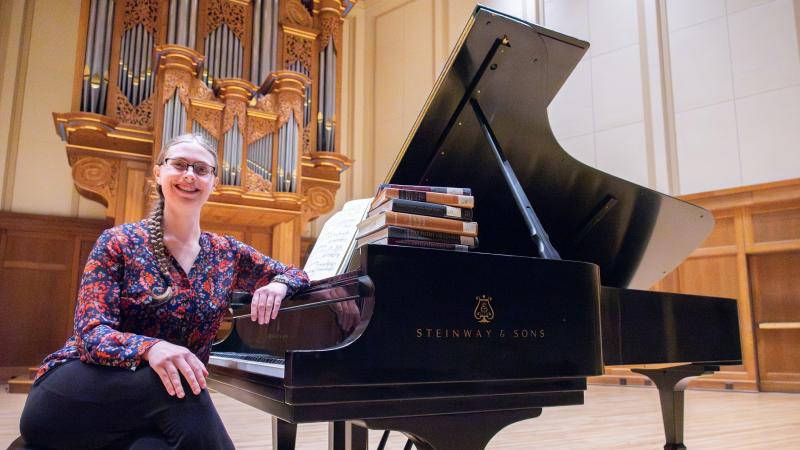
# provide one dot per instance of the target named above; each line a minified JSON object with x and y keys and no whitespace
{"x":336,"y":241}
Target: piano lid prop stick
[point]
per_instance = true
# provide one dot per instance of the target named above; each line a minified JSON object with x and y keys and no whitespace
{"x":535,"y":228}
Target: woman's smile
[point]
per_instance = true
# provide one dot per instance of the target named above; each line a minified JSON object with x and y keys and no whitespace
{"x":189,"y":188}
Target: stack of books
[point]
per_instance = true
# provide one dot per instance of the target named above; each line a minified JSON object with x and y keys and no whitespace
{"x":420,"y":216}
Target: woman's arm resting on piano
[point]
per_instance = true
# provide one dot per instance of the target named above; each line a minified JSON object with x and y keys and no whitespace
{"x":269,"y":280}
{"x":267,"y":301}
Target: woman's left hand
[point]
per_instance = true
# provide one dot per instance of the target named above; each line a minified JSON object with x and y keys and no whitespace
{"x":266,"y":302}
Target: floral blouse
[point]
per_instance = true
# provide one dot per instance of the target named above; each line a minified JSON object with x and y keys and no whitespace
{"x":116,"y":319}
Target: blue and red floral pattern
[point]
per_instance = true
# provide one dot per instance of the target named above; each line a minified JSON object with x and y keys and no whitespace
{"x":117,"y":320}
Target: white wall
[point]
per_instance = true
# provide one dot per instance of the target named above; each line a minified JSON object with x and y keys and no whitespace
{"x":709,"y":101}
{"x":37,"y":62}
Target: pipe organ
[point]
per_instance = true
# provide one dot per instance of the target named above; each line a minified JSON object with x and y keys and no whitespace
{"x":251,"y":76}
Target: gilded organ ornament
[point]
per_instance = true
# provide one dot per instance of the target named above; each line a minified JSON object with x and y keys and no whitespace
{"x":290,"y":103}
{"x":177,"y":79}
{"x":259,"y":128}
{"x":234,"y":109}
{"x":297,"y":14}
{"x":143,"y":12}
{"x":207,"y":118}
{"x":319,"y":200}
{"x":256,"y":183}
{"x":140,"y":116}
{"x":95,"y":178}
{"x":297,"y":49}
{"x":225,"y":11}
{"x":331,"y":28}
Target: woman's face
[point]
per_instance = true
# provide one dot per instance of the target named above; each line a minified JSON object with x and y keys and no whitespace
{"x":183,"y":184}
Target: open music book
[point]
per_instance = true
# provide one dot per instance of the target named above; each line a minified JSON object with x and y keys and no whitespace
{"x":336,"y":242}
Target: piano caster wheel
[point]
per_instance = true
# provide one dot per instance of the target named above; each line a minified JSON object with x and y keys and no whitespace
{"x":674,"y":447}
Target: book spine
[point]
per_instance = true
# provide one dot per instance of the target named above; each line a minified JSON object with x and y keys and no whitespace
{"x":426,"y":244}
{"x":438,"y":189}
{"x":463,"y":201}
{"x":430,"y":209}
{"x":421,"y":235}
{"x":431,"y":223}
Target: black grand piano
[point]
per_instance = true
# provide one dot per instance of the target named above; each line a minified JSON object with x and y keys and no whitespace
{"x":450,"y":347}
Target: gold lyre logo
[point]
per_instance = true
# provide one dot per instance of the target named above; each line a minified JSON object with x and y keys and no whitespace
{"x":483,"y":309}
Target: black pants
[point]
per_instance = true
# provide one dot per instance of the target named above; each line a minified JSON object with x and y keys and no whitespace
{"x":87,"y":406}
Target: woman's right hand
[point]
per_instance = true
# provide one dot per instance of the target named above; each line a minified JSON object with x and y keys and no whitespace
{"x":169,"y":359}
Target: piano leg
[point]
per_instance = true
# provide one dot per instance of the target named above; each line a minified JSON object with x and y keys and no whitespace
{"x":671,"y":383}
{"x":284,"y":434}
{"x":470,"y":431}
{"x":346,"y":436}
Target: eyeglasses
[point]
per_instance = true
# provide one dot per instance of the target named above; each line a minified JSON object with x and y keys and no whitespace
{"x":199,"y":168}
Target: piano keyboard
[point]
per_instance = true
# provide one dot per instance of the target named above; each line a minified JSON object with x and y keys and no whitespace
{"x":262,"y":364}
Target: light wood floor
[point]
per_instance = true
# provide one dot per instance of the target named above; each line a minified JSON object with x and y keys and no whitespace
{"x":623,"y":418}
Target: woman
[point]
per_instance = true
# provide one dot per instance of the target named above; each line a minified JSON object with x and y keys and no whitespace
{"x":151,"y":299}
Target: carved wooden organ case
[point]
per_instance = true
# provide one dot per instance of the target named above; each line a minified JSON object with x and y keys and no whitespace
{"x":257,"y":78}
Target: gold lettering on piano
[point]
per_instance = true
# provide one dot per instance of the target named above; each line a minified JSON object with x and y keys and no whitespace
{"x":480,"y":333}
{"x":484,"y":314}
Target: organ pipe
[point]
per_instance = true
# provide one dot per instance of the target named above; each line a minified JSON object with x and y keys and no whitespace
{"x":264,"y":45}
{"x":135,"y":78}
{"x":224,"y":53}
{"x":232,"y":155}
{"x":97,"y":56}
{"x":287,"y":156}
{"x":326,"y":125}
{"x":182,"y":23}
{"x":259,"y":157}
{"x":198,"y":129}
{"x":174,"y":119}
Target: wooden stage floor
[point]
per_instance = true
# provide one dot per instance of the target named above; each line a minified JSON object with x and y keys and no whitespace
{"x":623,"y":418}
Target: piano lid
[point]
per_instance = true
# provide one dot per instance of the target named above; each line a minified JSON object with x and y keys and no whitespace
{"x":494,"y":92}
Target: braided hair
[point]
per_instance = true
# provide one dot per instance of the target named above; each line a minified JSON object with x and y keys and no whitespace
{"x":155,"y":221}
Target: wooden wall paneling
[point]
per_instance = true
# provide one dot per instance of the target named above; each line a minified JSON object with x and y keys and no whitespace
{"x":258,"y":237}
{"x":775,"y":286}
{"x":37,"y":269}
{"x":724,"y":232}
{"x":132,"y":184}
{"x":779,"y":359}
{"x":744,"y":303}
{"x":712,"y":275}
{"x":286,"y":242}
{"x":34,"y":328}
{"x":776,"y":224}
{"x":261,"y":241}
{"x":41,"y":260}
{"x":776,"y":297}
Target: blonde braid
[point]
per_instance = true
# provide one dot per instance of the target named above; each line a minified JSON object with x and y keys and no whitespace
{"x":156,"y":238}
